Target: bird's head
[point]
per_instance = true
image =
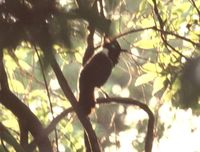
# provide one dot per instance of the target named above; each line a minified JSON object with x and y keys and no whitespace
{"x":114,"y":50}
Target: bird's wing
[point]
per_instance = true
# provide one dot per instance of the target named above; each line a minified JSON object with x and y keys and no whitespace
{"x":96,"y":72}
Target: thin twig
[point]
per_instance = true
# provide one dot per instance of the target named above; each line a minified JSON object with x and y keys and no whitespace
{"x":133,"y":31}
{"x":195,"y":6}
{"x":177,"y":36}
{"x":48,"y":93}
{"x":162,"y":33}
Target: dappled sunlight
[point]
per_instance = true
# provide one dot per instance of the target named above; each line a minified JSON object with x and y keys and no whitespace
{"x":134,"y":116}
{"x":118,"y":90}
{"x":125,"y":139}
{"x":182,"y":131}
{"x":54,"y":84}
{"x":57,"y":54}
{"x":165,"y":115}
{"x":125,"y":93}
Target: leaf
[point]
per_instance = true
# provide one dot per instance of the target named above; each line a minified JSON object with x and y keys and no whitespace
{"x":39,"y":93}
{"x":17,"y":86}
{"x":150,"y":2}
{"x":9,"y":63}
{"x":24,"y":65}
{"x":78,"y":57}
{"x":145,"y":78}
{"x":151,"y":67}
{"x":169,"y":93}
{"x":145,"y":44}
{"x":158,"y":84}
{"x":165,"y":58}
{"x":143,"y":5}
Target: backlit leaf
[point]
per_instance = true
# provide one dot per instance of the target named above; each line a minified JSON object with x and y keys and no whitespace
{"x":158,"y":84}
{"x":145,"y":44}
{"x":145,"y":78}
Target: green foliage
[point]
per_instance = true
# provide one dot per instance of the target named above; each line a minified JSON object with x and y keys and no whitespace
{"x":151,"y":70}
{"x":9,"y":140}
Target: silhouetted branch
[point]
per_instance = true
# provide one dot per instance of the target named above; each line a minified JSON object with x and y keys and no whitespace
{"x":6,"y":136}
{"x":3,"y":76}
{"x":53,"y":124}
{"x":70,"y":96}
{"x":129,"y":101}
{"x":90,"y":44}
{"x":23,"y":134}
{"x":133,"y":31}
{"x":26,"y":118}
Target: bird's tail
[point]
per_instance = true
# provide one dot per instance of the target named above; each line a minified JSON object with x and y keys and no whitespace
{"x":86,"y":102}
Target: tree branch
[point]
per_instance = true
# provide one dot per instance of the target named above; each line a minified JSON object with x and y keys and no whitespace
{"x":90,"y":45}
{"x":52,"y":125}
{"x":164,"y":34}
{"x":150,"y":128}
{"x":21,"y":111}
{"x":28,"y":119}
{"x":6,"y":136}
{"x":195,"y":6}
{"x":177,"y":36}
{"x":70,"y":96}
{"x":48,"y":94}
{"x":129,"y":101}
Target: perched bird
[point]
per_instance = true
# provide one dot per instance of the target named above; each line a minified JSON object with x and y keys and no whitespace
{"x":96,"y":72}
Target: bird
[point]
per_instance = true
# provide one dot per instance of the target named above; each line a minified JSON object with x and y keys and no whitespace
{"x":96,"y":72}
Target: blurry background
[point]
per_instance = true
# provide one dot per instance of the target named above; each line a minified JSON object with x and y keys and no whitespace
{"x":161,"y":70}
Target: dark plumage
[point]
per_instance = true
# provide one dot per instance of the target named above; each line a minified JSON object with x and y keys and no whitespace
{"x":95,"y":73}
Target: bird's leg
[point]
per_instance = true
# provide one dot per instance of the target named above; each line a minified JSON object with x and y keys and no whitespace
{"x":104,"y":93}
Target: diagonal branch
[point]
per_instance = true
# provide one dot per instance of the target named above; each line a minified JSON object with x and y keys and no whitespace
{"x":70,"y":96}
{"x":129,"y":101}
{"x":7,"y":136}
{"x":27,"y":119}
{"x":53,"y":124}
